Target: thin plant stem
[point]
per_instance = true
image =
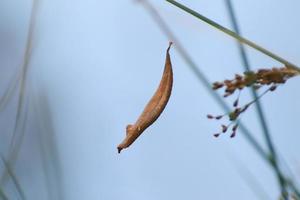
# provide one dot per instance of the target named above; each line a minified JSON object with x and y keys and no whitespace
{"x":8,"y":94}
{"x":17,"y":141}
{"x":48,"y":145}
{"x":27,"y":56}
{"x":195,"y":69}
{"x":13,"y":154}
{"x":14,"y":178}
{"x":236,"y":36}
{"x":260,"y":113}
{"x":250,"y":179}
{"x":3,"y":195}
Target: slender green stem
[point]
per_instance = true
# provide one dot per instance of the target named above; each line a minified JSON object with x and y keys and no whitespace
{"x":244,"y":58}
{"x":21,"y":114}
{"x":294,"y":189}
{"x":14,"y":178}
{"x":8,"y":94}
{"x":236,"y":36}
{"x":48,"y":145}
{"x":250,"y":179}
{"x":25,"y":66}
{"x":3,"y":196}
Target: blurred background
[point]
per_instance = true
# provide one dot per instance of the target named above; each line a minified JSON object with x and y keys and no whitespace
{"x":93,"y":66}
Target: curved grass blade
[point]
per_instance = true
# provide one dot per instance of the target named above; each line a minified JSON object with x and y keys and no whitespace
{"x":13,"y":178}
{"x":235,"y":35}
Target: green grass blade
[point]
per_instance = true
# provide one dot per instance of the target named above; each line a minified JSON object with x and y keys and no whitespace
{"x":235,"y":35}
{"x":260,"y":113}
{"x":3,"y":195}
{"x":22,"y":109}
{"x":13,"y":178}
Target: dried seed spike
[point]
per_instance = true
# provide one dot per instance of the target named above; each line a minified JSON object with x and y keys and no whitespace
{"x":238,"y":77}
{"x":271,"y":78}
{"x":217,"y":85}
{"x":154,"y":108}
{"x":234,"y":128}
{"x":224,"y":128}
{"x":236,"y":103}
{"x":210,"y":116}
{"x":227,"y":95}
{"x":273,"y":87}
{"x":233,"y":134}
{"x":219,"y":117}
{"x":237,"y":111}
{"x":233,"y":115}
{"x":245,"y":108}
{"x":256,"y":87}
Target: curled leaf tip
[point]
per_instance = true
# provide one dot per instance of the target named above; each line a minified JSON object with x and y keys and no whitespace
{"x":154,"y":108}
{"x":119,"y":149}
{"x":170,"y":44}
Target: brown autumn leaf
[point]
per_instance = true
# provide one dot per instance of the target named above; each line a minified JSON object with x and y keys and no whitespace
{"x":154,"y":108}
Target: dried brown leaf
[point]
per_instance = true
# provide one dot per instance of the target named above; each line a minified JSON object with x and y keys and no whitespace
{"x":154,"y":108}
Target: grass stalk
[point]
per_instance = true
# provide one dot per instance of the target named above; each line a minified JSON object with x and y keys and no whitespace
{"x":21,"y":115}
{"x":14,"y":178}
{"x":26,"y":60}
{"x":250,"y":179}
{"x":235,"y":35}
{"x":3,"y":195}
{"x":8,"y":94}
{"x":260,"y":113}
{"x":48,"y":146}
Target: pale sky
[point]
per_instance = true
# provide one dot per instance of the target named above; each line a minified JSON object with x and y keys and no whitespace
{"x":93,"y":68}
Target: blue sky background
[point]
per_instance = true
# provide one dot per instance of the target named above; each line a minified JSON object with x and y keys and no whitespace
{"x":94,"y":66}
